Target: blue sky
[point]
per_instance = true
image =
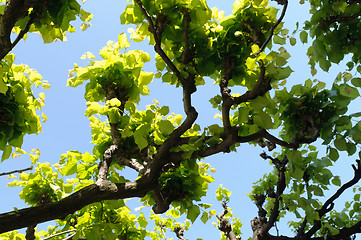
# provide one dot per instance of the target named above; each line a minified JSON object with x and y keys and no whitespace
{"x":68,"y":128}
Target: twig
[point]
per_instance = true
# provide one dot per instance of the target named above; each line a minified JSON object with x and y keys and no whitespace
{"x":24,"y":31}
{"x":285,"y":4}
{"x":61,"y":233}
{"x":158,"y":40}
{"x":17,"y":171}
{"x":161,"y":227}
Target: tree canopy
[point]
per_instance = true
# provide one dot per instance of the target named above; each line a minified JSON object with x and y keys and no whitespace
{"x":304,"y":129}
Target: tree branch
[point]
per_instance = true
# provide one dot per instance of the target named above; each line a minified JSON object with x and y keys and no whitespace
{"x":14,"y":11}
{"x":30,"y":232}
{"x":59,"y":210}
{"x":105,"y":163}
{"x":61,"y":233}
{"x":262,"y":86}
{"x":224,"y":225}
{"x":180,"y":233}
{"x":329,"y":204}
{"x":338,"y":19}
{"x":285,"y":4}
{"x":233,"y":138}
{"x":24,"y":31}
{"x":281,"y":186}
{"x":157,"y":33}
{"x":278,"y":141}
{"x":161,"y":158}
{"x":17,"y":171}
{"x":227,"y":102}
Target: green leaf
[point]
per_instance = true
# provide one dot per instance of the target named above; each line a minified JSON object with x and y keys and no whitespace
{"x":324,"y":64}
{"x":356,"y":197}
{"x":7,"y":152}
{"x":319,"y":49}
{"x":17,"y":142}
{"x":336,"y":181}
{"x":69,"y":169}
{"x":351,"y":148}
{"x":193,"y":212}
{"x":284,"y":73}
{"x":123,"y":41}
{"x":114,"y":102}
{"x":349,"y":91}
{"x":356,"y":82}
{"x":114,"y":115}
{"x":243,"y":115}
{"x":142,"y":221}
{"x":3,"y":86}
{"x":3,"y":142}
{"x":216,"y":129}
{"x":333,"y":154}
{"x":165,"y":127}
{"x":279,"y":40}
{"x":145,"y":78}
{"x":317,"y":191}
{"x":164,"y":110}
{"x":263,"y":120}
{"x":340,"y":144}
{"x":303,"y":36}
{"x":293,"y":41}
{"x":93,"y":108}
{"x":140,"y":136}
{"x":204,"y":217}
{"x":297,"y":173}
{"x":251,"y":63}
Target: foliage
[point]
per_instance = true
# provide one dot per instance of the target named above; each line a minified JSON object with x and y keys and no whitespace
{"x":246,"y":51}
{"x":18,"y":105}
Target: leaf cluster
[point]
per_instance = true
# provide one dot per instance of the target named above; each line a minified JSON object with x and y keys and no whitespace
{"x":18,"y":105}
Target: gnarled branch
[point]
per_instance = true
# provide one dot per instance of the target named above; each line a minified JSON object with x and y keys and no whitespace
{"x":224,"y":225}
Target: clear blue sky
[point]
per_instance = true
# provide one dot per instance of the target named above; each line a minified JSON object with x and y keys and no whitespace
{"x":68,"y":128}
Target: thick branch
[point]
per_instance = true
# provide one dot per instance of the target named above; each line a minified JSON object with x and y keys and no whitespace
{"x":227,"y":102}
{"x":161,"y":204}
{"x":59,"y":210}
{"x":14,"y":11}
{"x":30,"y":232}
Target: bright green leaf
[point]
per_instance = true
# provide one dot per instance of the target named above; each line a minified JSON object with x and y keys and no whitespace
{"x":193,"y":212}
